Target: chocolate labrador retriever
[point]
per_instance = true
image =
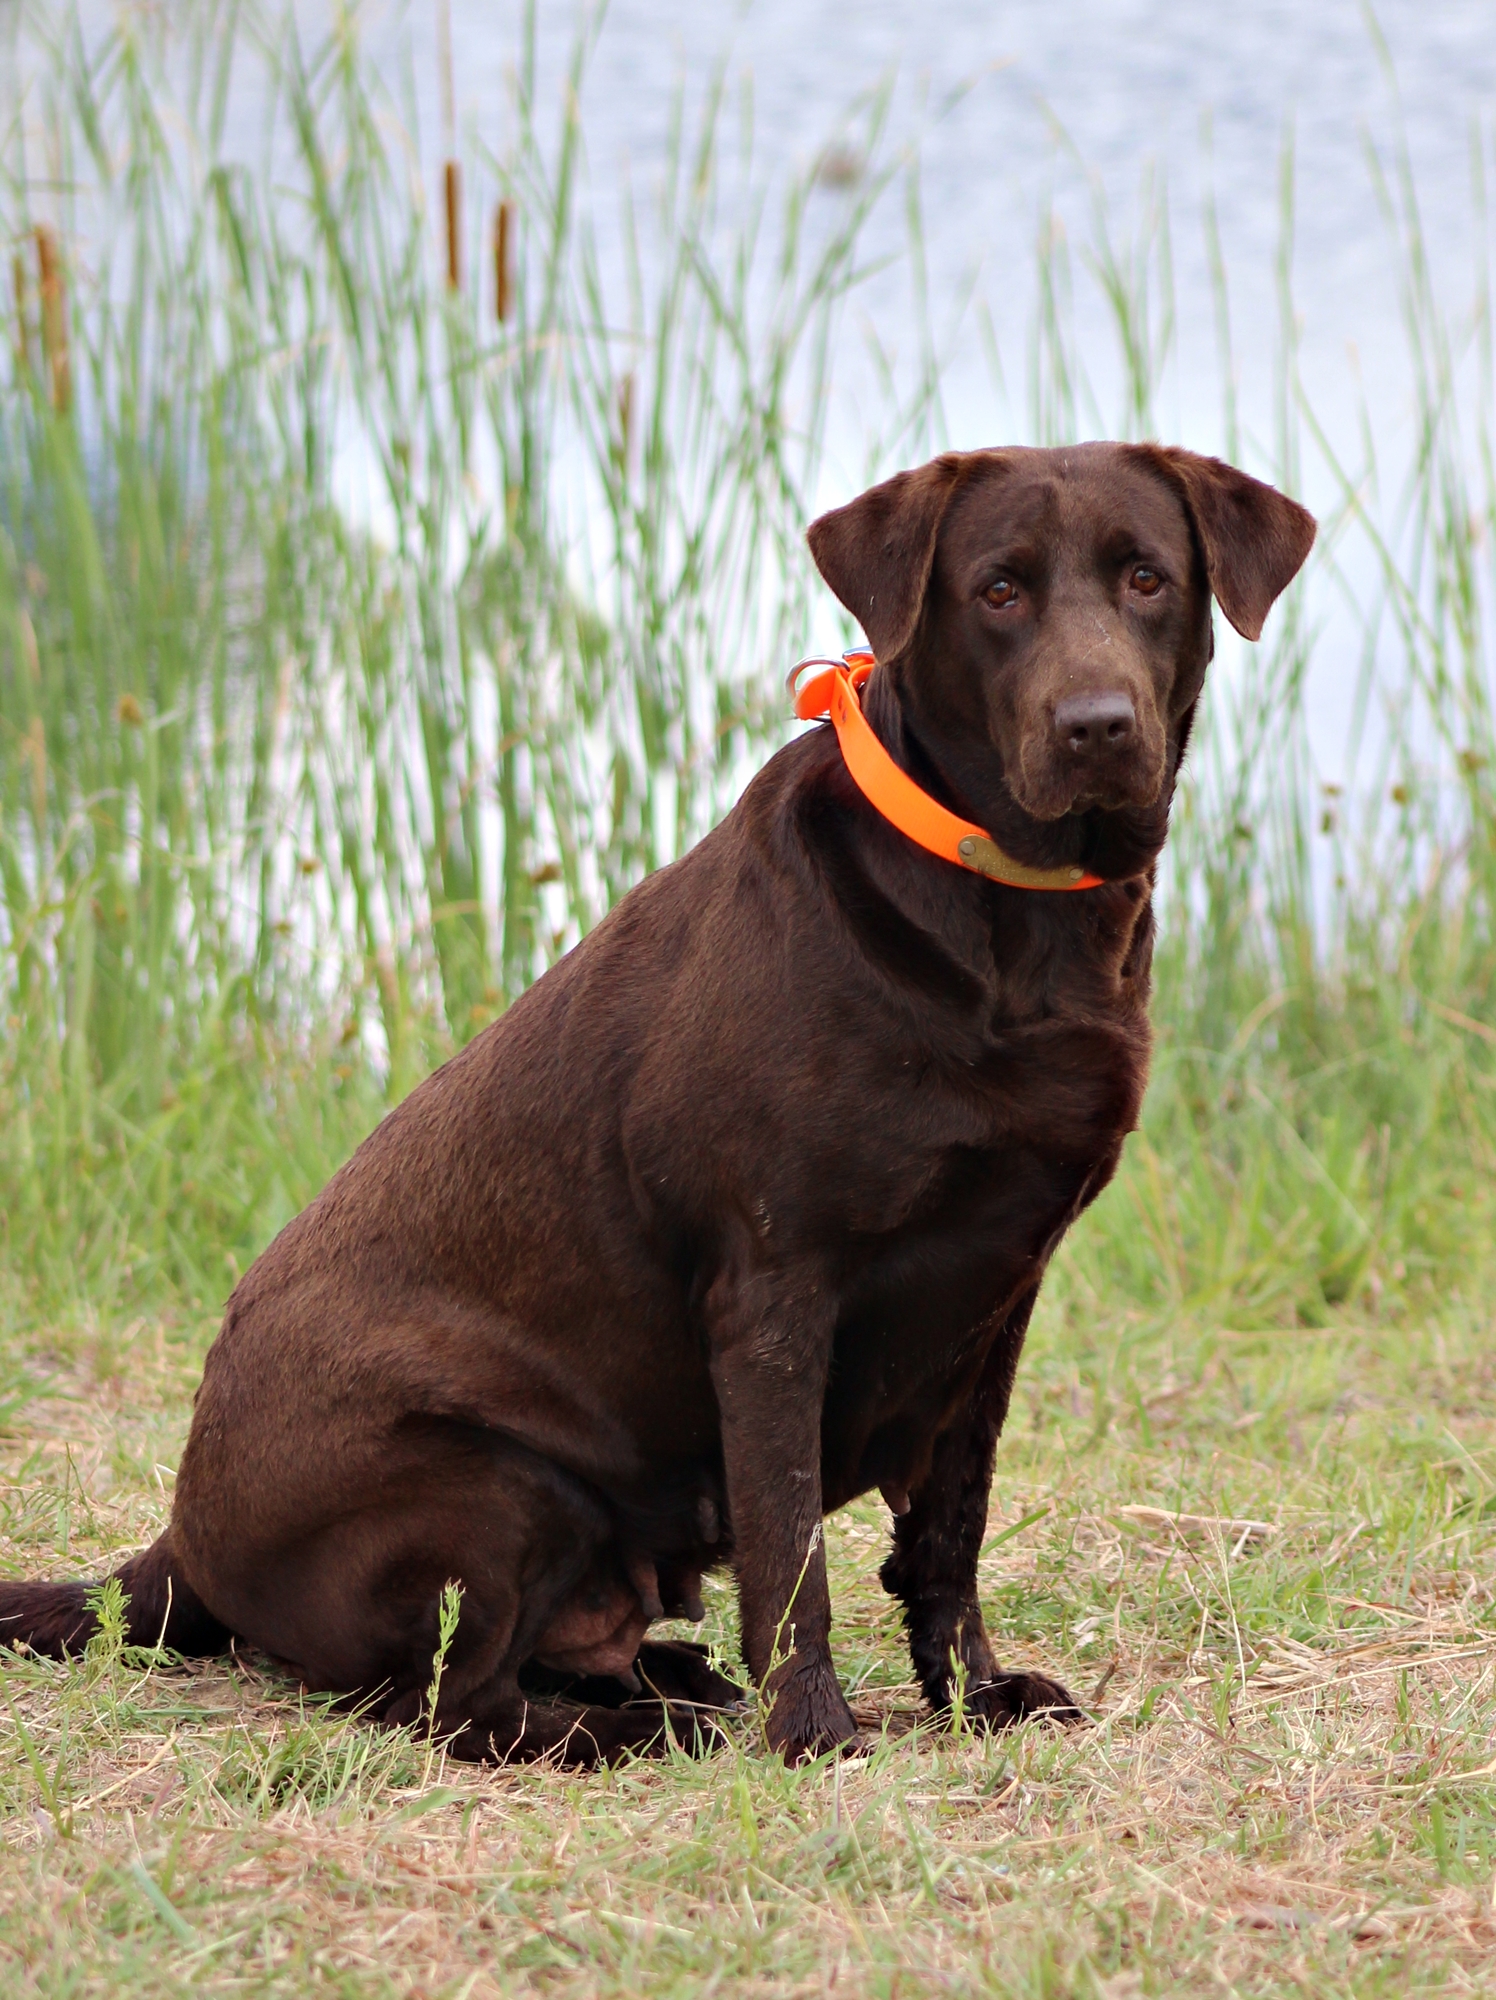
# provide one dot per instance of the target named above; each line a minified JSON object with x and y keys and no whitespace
{"x":742,"y":1209}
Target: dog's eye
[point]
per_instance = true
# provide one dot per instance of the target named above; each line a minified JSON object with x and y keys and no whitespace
{"x":1146,"y":582}
{"x":1001,"y":594}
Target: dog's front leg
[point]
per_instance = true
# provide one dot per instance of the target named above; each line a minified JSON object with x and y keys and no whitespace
{"x":770,"y":1355}
{"x":937,"y":1543}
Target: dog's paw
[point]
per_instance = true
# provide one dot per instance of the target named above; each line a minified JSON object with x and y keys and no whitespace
{"x":798,"y":1737}
{"x":680,"y":1670}
{"x":1007,"y":1699}
{"x":809,"y":1715}
{"x":522,"y":1730}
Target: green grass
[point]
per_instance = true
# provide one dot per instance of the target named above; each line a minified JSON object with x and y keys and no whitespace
{"x":311,"y":758}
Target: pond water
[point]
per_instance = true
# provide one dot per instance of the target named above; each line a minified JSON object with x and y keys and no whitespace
{"x":983,"y":86}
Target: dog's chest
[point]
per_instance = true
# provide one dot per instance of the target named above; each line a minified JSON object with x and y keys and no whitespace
{"x":983,"y":1165}
{"x":990,"y":1179}
{"x":981,"y":1127}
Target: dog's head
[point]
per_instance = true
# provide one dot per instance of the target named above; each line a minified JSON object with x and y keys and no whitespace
{"x":1044,"y":617}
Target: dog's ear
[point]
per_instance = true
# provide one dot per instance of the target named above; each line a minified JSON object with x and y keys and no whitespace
{"x":877,"y":551}
{"x":1254,"y":538}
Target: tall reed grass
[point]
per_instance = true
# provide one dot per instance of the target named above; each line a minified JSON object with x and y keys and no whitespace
{"x":390,"y":577}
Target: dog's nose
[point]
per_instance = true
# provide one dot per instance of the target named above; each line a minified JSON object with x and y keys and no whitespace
{"x":1093,"y":726}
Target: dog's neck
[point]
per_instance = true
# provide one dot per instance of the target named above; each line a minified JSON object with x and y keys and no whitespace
{"x":984,"y":957}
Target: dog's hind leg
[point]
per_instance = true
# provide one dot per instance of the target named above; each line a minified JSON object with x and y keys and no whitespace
{"x":354,"y":1605}
{"x":933,"y":1565}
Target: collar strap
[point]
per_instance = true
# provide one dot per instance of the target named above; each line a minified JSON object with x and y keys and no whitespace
{"x":837,"y":692}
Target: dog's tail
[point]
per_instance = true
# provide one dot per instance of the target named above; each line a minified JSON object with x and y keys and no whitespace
{"x":162,"y":1609}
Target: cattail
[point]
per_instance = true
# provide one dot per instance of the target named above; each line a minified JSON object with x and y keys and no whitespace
{"x":454,"y":204}
{"x":23,"y":331}
{"x":503,"y":233}
{"x":54,"y":317}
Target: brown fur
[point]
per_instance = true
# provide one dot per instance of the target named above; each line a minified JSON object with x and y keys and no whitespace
{"x":742,"y":1209}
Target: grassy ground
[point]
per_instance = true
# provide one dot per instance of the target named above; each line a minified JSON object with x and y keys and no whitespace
{"x":1262,"y":1558}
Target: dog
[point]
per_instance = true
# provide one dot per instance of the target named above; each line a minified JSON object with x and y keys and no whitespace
{"x":742,"y":1209}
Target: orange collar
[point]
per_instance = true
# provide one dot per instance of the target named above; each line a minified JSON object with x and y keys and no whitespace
{"x":837,"y":691}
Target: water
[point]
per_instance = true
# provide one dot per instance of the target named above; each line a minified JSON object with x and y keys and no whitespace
{"x":982,"y":87}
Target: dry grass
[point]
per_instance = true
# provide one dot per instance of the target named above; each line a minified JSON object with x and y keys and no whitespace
{"x":1266,"y":1563}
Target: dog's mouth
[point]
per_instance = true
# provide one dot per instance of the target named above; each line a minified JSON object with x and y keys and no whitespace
{"x":1047,"y":787}
{"x":1118,"y":799}
{"x":1056,"y":800}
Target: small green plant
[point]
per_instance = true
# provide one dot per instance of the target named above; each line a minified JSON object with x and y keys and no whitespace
{"x":959,"y":1724}
{"x":106,"y":1644}
{"x":449,"y":1609}
{"x":1223,"y":1692}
